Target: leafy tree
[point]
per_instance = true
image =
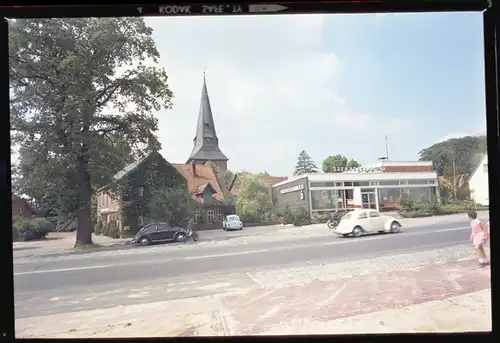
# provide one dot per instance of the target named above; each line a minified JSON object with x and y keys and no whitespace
{"x":305,"y":164}
{"x":287,"y":216}
{"x":39,"y":176}
{"x":464,"y":152}
{"x":338,"y":164}
{"x":224,"y":176}
{"x":446,"y":187}
{"x":253,"y":200}
{"x":75,"y":82}
{"x":174,"y":206}
{"x":353,"y":164}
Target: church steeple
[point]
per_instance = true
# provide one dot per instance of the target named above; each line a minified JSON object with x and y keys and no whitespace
{"x":206,"y":143}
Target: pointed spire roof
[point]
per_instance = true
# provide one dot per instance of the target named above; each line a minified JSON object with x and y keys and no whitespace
{"x":206,"y":142}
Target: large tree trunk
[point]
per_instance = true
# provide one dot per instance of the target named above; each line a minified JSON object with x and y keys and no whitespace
{"x":84,"y":230}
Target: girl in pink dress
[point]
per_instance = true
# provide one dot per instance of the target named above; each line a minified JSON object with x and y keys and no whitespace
{"x":478,"y":236}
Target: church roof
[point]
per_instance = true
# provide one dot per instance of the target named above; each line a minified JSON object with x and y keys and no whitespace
{"x":206,"y":142}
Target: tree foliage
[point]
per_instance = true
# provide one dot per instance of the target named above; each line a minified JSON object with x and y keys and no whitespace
{"x":151,"y":174}
{"x":54,"y":192}
{"x":305,"y":164}
{"x":75,"y":84}
{"x":253,"y":201}
{"x":174,"y":205}
{"x":465,"y":153}
{"x":338,"y":164}
{"x":224,"y":176}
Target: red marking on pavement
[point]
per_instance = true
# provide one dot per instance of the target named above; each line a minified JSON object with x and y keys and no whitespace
{"x":345,"y":297}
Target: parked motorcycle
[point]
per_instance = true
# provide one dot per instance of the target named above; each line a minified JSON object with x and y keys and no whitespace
{"x":334,"y":219}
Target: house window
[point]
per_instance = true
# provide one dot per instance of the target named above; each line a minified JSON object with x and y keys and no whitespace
{"x":210,"y":216}
{"x":141,"y":221}
{"x":19,"y":211}
{"x":220,"y":216}
{"x":485,"y":167}
{"x":141,"y":191}
{"x":196,"y":216}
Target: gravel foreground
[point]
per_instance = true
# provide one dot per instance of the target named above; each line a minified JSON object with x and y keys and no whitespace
{"x":283,"y":277}
{"x":207,"y":317}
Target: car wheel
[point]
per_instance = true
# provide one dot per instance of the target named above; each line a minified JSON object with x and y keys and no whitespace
{"x":180,"y":237}
{"x":241,"y":228}
{"x":145,"y":241}
{"x":357,"y":231}
{"x":395,"y":227}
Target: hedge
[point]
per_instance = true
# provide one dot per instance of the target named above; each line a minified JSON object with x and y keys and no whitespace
{"x":427,"y":210}
{"x":21,"y":225}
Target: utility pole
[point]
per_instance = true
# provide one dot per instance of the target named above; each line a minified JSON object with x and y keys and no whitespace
{"x":386,"y":150}
{"x":454,"y":178}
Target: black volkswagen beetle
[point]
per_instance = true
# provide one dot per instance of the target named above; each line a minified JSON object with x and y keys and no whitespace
{"x":161,"y":233}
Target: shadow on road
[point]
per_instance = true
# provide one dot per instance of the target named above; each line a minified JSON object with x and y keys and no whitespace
{"x":24,"y":248}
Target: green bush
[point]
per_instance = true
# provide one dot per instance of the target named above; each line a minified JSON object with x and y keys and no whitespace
{"x":407,"y":205}
{"x":320,"y":218}
{"x":301,"y":217}
{"x":250,"y":217}
{"x":21,"y":225}
{"x":287,"y":216}
{"x":415,"y":214}
{"x":98,"y":228}
{"x":15,"y":234}
{"x":43,"y":225}
{"x":433,"y":208}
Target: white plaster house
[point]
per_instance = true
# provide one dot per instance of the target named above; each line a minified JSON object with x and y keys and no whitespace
{"x":478,"y":183}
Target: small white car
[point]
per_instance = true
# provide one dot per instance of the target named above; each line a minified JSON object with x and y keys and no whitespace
{"x":232,"y":222}
{"x":359,"y":222}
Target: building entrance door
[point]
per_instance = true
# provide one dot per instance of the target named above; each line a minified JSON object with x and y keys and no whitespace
{"x":369,"y":199}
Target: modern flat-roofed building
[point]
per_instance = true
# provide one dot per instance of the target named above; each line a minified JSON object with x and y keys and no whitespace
{"x":380,"y":186}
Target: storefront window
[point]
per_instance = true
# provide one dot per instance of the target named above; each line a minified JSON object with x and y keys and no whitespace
{"x":419,"y":194}
{"x":389,"y":198}
{"x":322,"y":184}
{"x":418,"y":182}
{"x":361,"y":183}
{"x":323,"y":200}
{"x":389,"y":183}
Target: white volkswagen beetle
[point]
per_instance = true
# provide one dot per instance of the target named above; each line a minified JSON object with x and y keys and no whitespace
{"x":359,"y":222}
{"x":232,"y":222}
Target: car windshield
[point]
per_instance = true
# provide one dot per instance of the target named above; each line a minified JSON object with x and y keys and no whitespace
{"x":233,"y":218}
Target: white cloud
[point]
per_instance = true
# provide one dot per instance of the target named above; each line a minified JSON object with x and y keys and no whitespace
{"x":478,"y":129}
{"x":272,"y":89}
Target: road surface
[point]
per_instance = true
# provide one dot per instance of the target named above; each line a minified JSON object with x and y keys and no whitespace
{"x":43,"y":287}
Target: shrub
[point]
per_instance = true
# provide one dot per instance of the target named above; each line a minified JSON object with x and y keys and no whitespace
{"x":407,"y":204}
{"x":250,"y":217}
{"x":301,"y":217}
{"x":320,"y":218}
{"x":15,"y":234}
{"x":432,"y":207}
{"x":21,"y":225}
{"x":287,"y":217}
{"x":98,"y":228}
{"x":43,"y":225}
{"x":415,"y":214}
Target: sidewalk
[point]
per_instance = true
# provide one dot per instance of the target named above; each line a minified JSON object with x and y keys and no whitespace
{"x":447,"y":297}
{"x":60,"y":248}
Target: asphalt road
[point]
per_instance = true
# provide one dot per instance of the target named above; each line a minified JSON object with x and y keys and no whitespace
{"x":38,"y":283}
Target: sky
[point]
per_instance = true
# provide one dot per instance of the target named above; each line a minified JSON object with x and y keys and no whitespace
{"x":326,"y":84}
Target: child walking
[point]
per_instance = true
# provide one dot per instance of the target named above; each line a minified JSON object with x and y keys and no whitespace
{"x":478,"y":236}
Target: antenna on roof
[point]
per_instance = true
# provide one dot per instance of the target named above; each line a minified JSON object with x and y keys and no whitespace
{"x":386,"y":150}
